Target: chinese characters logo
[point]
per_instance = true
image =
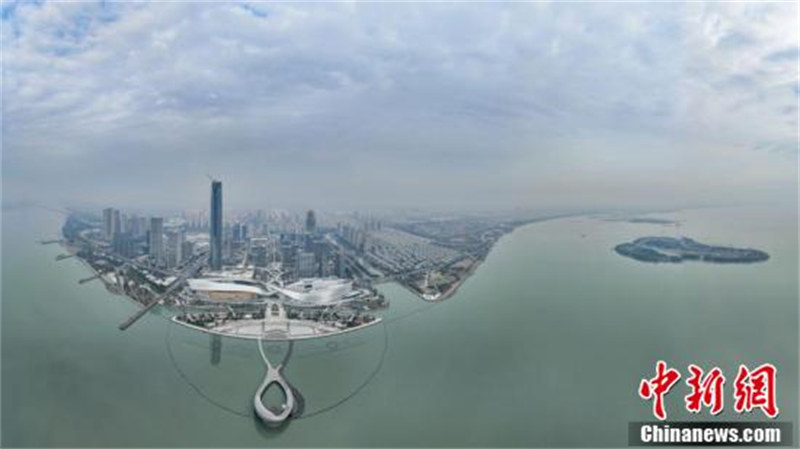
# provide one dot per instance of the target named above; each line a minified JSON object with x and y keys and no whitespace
{"x":752,"y":389}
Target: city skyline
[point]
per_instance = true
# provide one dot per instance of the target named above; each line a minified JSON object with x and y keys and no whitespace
{"x":371,"y":106}
{"x":431,"y":255}
{"x":399,"y":223}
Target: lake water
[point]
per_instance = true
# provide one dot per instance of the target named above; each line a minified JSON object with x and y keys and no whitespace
{"x":544,"y":346}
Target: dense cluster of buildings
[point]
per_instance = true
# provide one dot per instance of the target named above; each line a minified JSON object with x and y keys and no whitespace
{"x":297,"y":247}
{"x":131,"y":236}
{"x":282,"y":248}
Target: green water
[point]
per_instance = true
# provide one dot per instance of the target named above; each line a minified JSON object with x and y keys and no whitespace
{"x":543,"y":346}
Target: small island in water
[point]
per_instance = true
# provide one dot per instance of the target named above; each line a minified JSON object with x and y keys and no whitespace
{"x":676,"y":250}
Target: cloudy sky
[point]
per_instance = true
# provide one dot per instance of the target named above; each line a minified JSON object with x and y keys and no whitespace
{"x":437,"y":105}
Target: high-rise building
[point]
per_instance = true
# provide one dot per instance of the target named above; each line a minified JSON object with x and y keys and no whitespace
{"x":237,"y":232}
{"x":320,"y":250}
{"x":144,"y":226}
{"x":116,"y":224}
{"x":311,"y":222}
{"x":215,"y":231}
{"x":187,"y":250}
{"x":305,"y":264}
{"x":227,"y":246}
{"x":124,"y":244}
{"x":341,"y":265}
{"x":132,"y":226}
{"x":157,"y":239}
{"x":108,"y":222}
{"x":175,"y":241}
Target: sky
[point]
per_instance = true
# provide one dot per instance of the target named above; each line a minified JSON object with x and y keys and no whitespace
{"x":448,"y":106}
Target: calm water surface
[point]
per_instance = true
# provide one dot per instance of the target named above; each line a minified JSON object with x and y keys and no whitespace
{"x":543,"y":346}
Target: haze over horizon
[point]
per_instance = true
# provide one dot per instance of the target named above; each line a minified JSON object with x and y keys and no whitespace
{"x":373,"y":106}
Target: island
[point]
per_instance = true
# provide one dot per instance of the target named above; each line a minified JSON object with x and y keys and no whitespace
{"x":644,"y":220}
{"x":677,"y":250}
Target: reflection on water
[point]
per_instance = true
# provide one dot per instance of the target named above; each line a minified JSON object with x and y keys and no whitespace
{"x":318,"y":358}
{"x":216,"y":349}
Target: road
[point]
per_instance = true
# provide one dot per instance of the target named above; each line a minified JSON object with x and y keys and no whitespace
{"x":187,"y":272}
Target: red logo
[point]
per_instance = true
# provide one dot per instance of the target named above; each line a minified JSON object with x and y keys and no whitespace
{"x":756,"y":389}
{"x":657,"y":387}
{"x":753,"y":389}
{"x":705,"y":390}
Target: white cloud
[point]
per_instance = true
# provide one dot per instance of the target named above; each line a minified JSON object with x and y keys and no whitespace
{"x":319,"y":101}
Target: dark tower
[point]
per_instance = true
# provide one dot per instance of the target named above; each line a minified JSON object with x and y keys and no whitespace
{"x":311,"y":222}
{"x":215,"y":233}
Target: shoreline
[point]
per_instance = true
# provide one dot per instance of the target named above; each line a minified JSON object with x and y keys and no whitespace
{"x":456,"y":285}
{"x":109,"y":288}
{"x":453,"y":289}
{"x":175,"y":319}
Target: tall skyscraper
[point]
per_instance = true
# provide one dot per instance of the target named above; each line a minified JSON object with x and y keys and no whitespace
{"x":311,"y":222}
{"x":143,"y":228}
{"x":157,"y":239}
{"x":108,"y":222}
{"x":116,"y":225}
{"x":215,"y":231}
{"x":133,"y":227}
{"x":175,"y":241}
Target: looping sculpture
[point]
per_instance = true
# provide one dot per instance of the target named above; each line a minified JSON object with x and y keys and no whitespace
{"x":274,"y":376}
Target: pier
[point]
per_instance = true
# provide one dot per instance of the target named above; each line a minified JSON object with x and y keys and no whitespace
{"x":188,"y":271}
{"x":64,"y":256}
{"x":48,"y":242}
{"x":85,"y":280}
{"x":135,"y":317}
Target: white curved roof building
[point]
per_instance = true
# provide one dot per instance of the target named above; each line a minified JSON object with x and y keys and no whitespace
{"x":319,"y":291}
{"x":226,"y":288}
{"x":305,"y":292}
